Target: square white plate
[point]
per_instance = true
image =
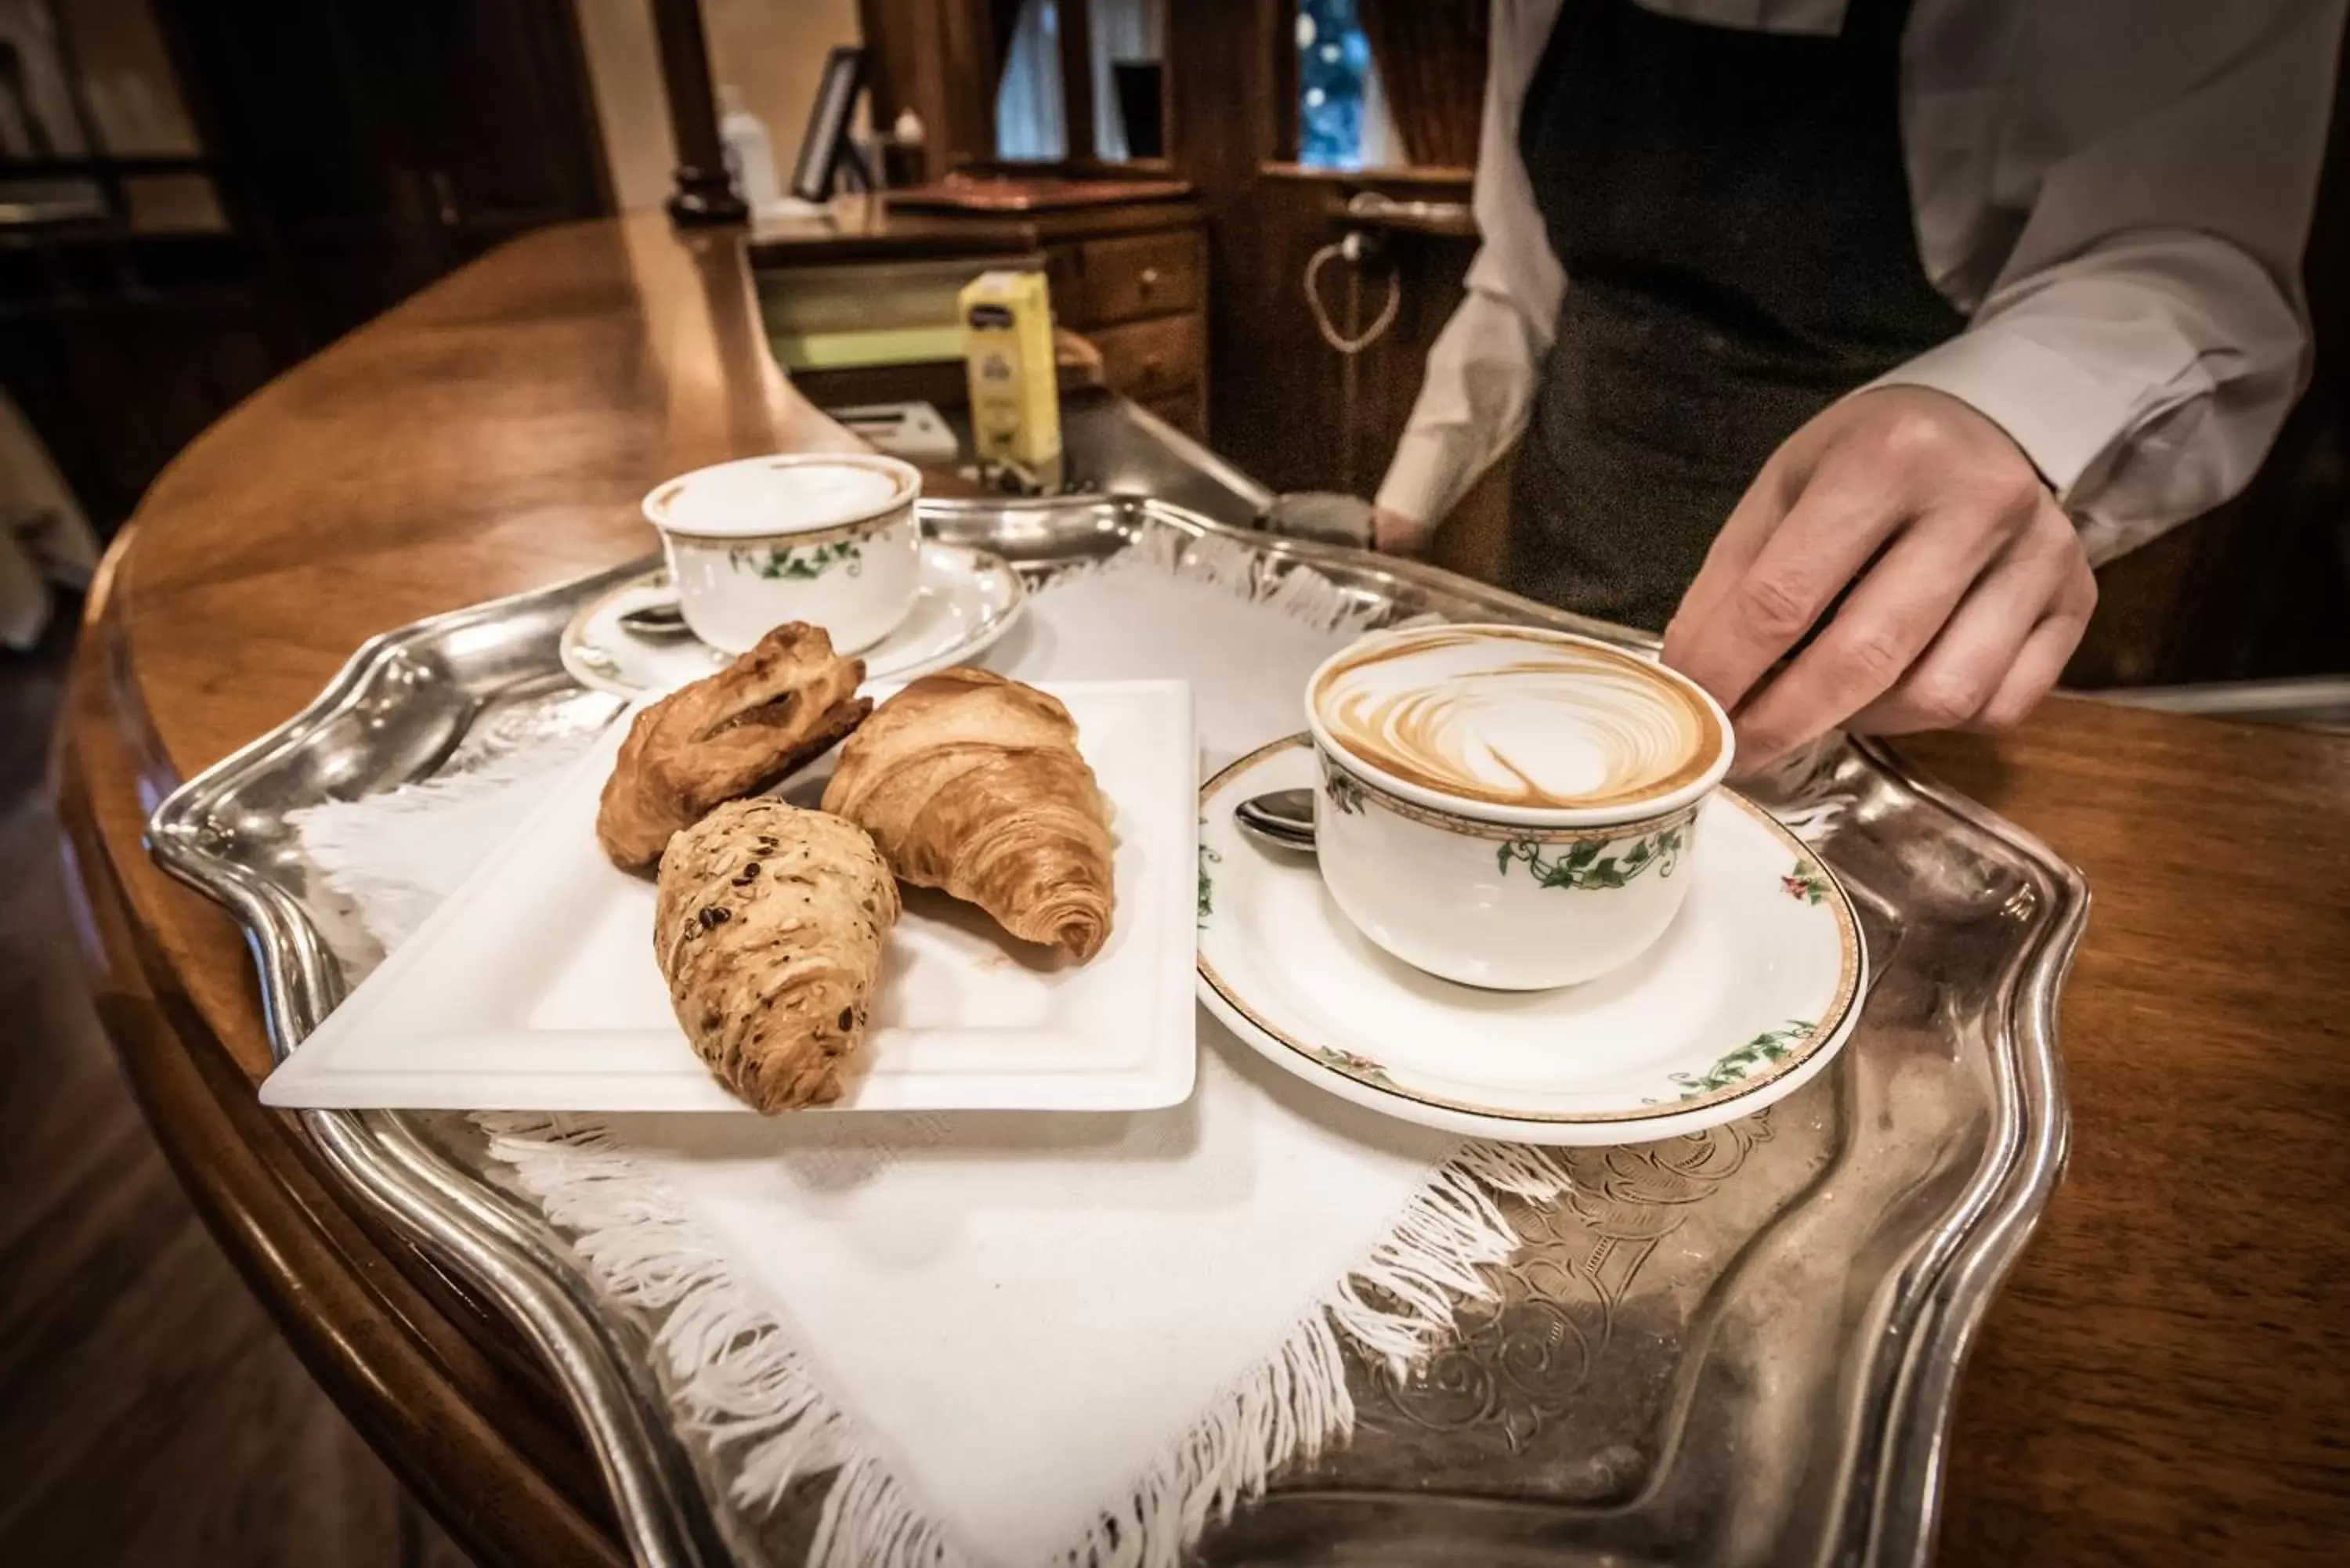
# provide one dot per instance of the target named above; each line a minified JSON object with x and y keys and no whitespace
{"x":534,"y":987}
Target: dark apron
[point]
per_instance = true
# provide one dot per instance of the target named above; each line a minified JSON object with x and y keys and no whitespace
{"x":1732,"y":209}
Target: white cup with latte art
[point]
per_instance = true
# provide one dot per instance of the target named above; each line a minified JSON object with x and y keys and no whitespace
{"x":1506,"y":806}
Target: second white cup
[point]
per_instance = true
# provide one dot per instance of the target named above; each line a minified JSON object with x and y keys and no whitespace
{"x":828,"y":539}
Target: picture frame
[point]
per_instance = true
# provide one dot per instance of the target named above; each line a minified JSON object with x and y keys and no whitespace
{"x":826,"y":147}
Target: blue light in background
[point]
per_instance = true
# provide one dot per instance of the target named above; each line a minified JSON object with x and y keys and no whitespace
{"x":1334,"y":59}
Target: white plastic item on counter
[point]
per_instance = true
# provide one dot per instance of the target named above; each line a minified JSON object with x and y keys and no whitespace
{"x":749,"y":152}
{"x":915,"y":431}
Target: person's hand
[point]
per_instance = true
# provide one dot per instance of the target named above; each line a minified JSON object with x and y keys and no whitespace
{"x":1968,"y":586}
{"x":1393,"y":533}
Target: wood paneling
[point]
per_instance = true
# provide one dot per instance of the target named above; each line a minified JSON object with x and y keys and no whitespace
{"x":939,"y":58}
{"x":1290,"y":409}
{"x":1285,"y":407}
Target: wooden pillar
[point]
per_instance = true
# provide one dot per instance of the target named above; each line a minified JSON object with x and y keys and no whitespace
{"x":939,"y":58}
{"x":704,"y":193}
{"x":1078,"y":80}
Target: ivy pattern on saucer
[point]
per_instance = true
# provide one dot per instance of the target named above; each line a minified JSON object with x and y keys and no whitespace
{"x":1771,"y":1047}
{"x":1359,"y":1067}
{"x":1805,"y":884}
{"x":802,"y":565}
{"x":599,"y":660}
{"x":1208,"y":856}
{"x":1583,"y":865}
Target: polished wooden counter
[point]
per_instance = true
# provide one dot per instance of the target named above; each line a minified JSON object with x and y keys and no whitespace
{"x":2162,"y":1379}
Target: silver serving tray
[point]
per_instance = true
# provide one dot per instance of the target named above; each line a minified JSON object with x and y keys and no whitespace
{"x":1737,"y":1347}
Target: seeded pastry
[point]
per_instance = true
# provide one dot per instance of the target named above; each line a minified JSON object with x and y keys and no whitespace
{"x":769,"y":927}
{"x":775,"y":707}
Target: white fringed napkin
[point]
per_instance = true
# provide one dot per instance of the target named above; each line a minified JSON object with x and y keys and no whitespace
{"x":1013,"y":1339}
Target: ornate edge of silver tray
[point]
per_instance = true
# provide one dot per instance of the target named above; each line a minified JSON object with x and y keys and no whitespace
{"x":425,"y":698}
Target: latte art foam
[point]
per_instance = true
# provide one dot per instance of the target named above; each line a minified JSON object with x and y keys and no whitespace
{"x":1517,"y":720}
{"x":762,"y":498}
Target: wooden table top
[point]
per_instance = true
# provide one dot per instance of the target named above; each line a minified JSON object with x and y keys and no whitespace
{"x":2161,"y":1379}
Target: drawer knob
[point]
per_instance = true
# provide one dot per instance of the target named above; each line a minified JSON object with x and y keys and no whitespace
{"x":1148,"y":279}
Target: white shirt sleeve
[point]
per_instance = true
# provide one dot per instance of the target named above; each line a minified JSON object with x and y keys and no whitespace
{"x":1481,"y":372}
{"x":2146,"y":335}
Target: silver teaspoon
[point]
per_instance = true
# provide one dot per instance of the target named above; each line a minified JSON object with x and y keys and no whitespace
{"x":656,"y":623}
{"x":1280,"y":818}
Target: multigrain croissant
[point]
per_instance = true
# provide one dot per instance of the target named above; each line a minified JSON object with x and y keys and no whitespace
{"x":775,"y":707}
{"x":769,"y":927}
{"x":974,"y":783}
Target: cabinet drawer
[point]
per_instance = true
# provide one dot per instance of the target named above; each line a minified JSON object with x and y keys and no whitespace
{"x":1156,"y":358}
{"x":1139,"y":275}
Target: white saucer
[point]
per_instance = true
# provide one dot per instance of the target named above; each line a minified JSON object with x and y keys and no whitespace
{"x":1748,"y":995}
{"x":967,"y":598}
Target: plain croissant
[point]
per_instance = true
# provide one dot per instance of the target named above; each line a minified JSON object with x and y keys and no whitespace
{"x":769,"y":927}
{"x":974,"y":783}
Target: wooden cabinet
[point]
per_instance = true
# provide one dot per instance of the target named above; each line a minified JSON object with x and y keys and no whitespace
{"x":1141,"y":298}
{"x":1129,"y":276}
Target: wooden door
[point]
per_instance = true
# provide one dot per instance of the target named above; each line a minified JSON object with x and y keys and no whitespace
{"x":501,"y":121}
{"x":306,"y":114}
{"x":377,"y":146}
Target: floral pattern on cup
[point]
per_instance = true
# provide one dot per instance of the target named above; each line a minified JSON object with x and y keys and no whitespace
{"x":1353,"y":796}
{"x":829,"y":538}
{"x":1380,"y":853}
{"x":801,"y":564}
{"x":1584,"y":864}
{"x":1346,"y":791}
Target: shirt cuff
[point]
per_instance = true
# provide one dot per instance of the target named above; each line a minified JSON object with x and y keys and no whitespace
{"x":1423,"y":480}
{"x":2062,"y":413}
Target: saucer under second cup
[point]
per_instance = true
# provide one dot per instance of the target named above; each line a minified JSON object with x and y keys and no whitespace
{"x":964,"y":601}
{"x":1747,"y":996}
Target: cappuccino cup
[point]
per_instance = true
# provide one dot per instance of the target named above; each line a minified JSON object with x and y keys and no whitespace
{"x":1506,"y":806}
{"x":828,"y":539}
